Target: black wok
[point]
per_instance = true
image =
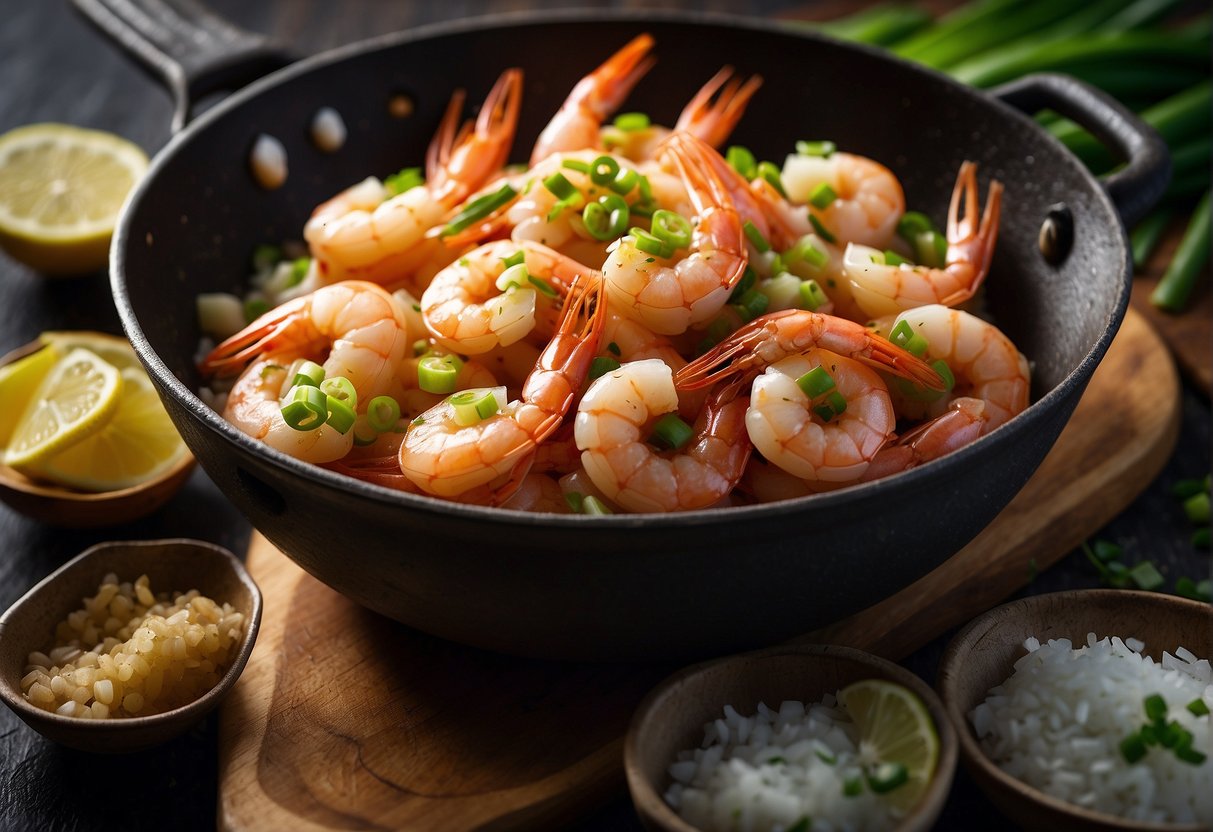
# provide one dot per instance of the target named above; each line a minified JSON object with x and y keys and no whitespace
{"x":622,"y":587}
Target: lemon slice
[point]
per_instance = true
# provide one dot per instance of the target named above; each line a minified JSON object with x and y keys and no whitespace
{"x":112,"y":349}
{"x":61,"y":189}
{"x":76,"y":399}
{"x":137,"y":444}
{"x":894,"y":727}
{"x":18,"y":383}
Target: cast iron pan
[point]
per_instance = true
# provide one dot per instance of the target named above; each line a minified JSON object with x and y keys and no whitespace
{"x":619,"y":587}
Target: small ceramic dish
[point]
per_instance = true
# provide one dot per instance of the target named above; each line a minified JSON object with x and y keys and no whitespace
{"x":61,"y":506}
{"x":173,"y":565}
{"x":983,"y":654}
{"x":672,"y":716}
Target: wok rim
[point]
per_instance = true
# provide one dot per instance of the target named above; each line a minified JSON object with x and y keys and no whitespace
{"x":1037,"y":411}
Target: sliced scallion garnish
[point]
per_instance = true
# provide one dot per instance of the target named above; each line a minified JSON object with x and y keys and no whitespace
{"x":383,"y":412}
{"x":671,"y":228}
{"x":308,"y":374}
{"x":904,"y":336}
{"x":742,"y":160}
{"x":885,"y":777}
{"x":812,"y":296}
{"x":607,"y":218}
{"x":340,"y":415}
{"x":478,"y":209}
{"x":602,"y":365}
{"x":473,"y":406}
{"x":649,"y":244}
{"x":438,"y":373}
{"x":592,"y":505}
{"x":603,"y":171}
{"x":306,"y":408}
{"x":822,"y":196}
{"x":631,"y":122}
{"x":822,"y":231}
{"x":671,"y":432}
{"x":824,"y":149}
{"x":341,"y":388}
{"x":756,"y":238}
{"x":816,"y":382}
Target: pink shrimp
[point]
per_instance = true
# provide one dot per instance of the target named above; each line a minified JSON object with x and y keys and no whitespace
{"x":962,"y":423}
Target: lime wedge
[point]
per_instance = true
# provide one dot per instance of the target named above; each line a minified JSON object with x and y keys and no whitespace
{"x":894,"y":727}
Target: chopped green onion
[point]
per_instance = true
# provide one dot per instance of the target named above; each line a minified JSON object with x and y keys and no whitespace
{"x":816,"y":382}
{"x":364,"y":434}
{"x":1106,"y":550}
{"x":254,"y":308}
{"x":1196,"y":507}
{"x":602,"y":365}
{"x":904,"y":336}
{"x":614,"y":350}
{"x":383,"y":412}
{"x":1156,"y":707}
{"x":1200,"y":538}
{"x":1197,"y":707}
{"x":341,"y":416}
{"x":438,"y":373}
{"x":777,"y":761}
{"x":420,"y":347}
{"x":887,"y":776}
{"x":603,"y":171}
{"x":625,"y":181}
{"x":1133,"y":748}
{"x":299,"y":268}
{"x":824,"y":412}
{"x":592,"y":505}
{"x":1146,"y":576}
{"x":575,"y":501}
{"x":543,"y":286}
{"x":837,"y":403}
{"x":309,"y":374}
{"x":1183,"y":489}
{"x":892,"y":258}
{"x":826,"y":757}
{"x":931,"y":249}
{"x":945,"y":373}
{"x":752,"y":304}
{"x":913,"y":223}
{"x":1190,"y":755}
{"x":478,"y":209}
{"x":770,"y":172}
{"x":671,"y":432}
{"x":559,"y":186}
{"x":306,"y":408}
{"x":755,"y":237}
{"x":852,"y":786}
{"x":576,"y":164}
{"x":822,"y":231}
{"x":812,"y":296}
{"x":516,"y":276}
{"x":607,"y":218}
{"x":822,"y":196}
{"x":631,"y":122}
{"x":405,"y":180}
{"x":473,"y":406}
{"x":518,"y":258}
{"x":801,"y":825}
{"x":341,"y":388}
{"x":269,"y":369}
{"x":649,"y":244}
{"x":266,"y":256}
{"x":672,"y":228}
{"x":742,"y":161}
{"x":825,"y":149}
{"x":806,"y":251}
{"x":748,"y":278}
{"x":1188,"y":588}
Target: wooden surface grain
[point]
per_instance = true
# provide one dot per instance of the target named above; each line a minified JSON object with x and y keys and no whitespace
{"x":55,"y":68}
{"x":346,"y":717}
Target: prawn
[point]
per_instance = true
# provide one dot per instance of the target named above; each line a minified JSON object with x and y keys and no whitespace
{"x":492,"y":456}
{"x":668,"y":297}
{"x":962,"y":423}
{"x":985,"y":363}
{"x":611,"y":428}
{"x":868,"y":200}
{"x":881,"y":289}
{"x":358,"y":329}
{"x":597,"y":95}
{"x":465,"y":312}
{"x":363,"y":232}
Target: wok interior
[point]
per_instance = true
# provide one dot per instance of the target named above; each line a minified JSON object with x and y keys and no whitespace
{"x":195,"y":228}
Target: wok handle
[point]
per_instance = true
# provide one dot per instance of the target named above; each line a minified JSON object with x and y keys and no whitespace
{"x":193,"y":51}
{"x":1137,"y":186}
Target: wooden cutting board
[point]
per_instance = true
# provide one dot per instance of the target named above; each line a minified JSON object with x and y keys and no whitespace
{"x":346,"y":720}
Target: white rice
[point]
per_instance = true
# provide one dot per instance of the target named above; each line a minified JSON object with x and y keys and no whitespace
{"x":268,"y":162}
{"x":771,"y":770}
{"x":1058,"y":721}
{"x":328,"y":130}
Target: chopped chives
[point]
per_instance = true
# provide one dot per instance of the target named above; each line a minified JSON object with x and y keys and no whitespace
{"x":776,"y":761}
{"x":308,"y":374}
{"x":306,"y":408}
{"x":824,"y":149}
{"x":748,"y":278}
{"x":631,"y":122}
{"x":770,"y":172}
{"x":602,"y":365}
{"x":904,"y":336}
{"x":1146,"y":576}
{"x":649,"y":244}
{"x":837,"y":403}
{"x":559,"y":186}
{"x":822,"y":231}
{"x":931,"y":249}
{"x":603,"y":170}
{"x":614,"y":350}
{"x":574,"y":201}
{"x":1196,"y":507}
{"x":1190,"y":755}
{"x":575,"y":500}
{"x":1106,"y":550}
{"x":403,"y":181}
{"x":625,"y":181}
{"x":816,"y":382}
{"x":592,"y":505}
{"x":473,"y":406}
{"x":516,"y":276}
{"x":671,"y":432}
{"x":1183,"y":489}
{"x":1197,"y":707}
{"x":420,"y":347}
{"x":671,"y":228}
{"x":752,"y":304}
{"x":576,"y":164}
{"x":826,"y":757}
{"x":822,"y":196}
{"x":254,"y":308}
{"x":299,"y":269}
{"x":812,"y":296}
{"x":1188,"y":588}
{"x":1200,"y":538}
{"x":266,"y":256}
{"x":806,"y":251}
{"x":757,"y":240}
{"x":913,"y":223}
{"x":1156,"y":707}
{"x":945,"y":373}
{"x":887,"y":776}
{"x":801,"y":825}
{"x":824,"y":412}
{"x":516,"y":259}
{"x":543,"y":286}
{"x":607,"y":218}
{"x":342,"y":389}
{"x":478,"y":209}
{"x":438,"y":373}
{"x":892,"y":258}
{"x":1133,"y":748}
{"x":383,"y":412}
{"x":340,"y":415}
{"x":852,"y":786}
{"x":742,"y":161}
{"x":364,"y":434}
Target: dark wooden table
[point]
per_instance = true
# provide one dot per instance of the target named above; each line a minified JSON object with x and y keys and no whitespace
{"x":53,"y":67}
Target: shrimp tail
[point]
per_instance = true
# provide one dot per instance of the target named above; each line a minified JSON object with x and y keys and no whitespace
{"x":692,"y":158}
{"x":971,"y":239}
{"x":261,"y":337}
{"x":715,"y":110}
{"x":438,"y":154}
{"x":458,"y":161}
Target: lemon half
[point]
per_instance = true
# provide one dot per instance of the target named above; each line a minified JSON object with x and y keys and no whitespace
{"x":61,"y":189}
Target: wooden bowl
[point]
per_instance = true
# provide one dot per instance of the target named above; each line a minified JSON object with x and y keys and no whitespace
{"x":983,"y":654}
{"x":173,"y":565}
{"x":59,"y":505}
{"x":672,"y":716}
